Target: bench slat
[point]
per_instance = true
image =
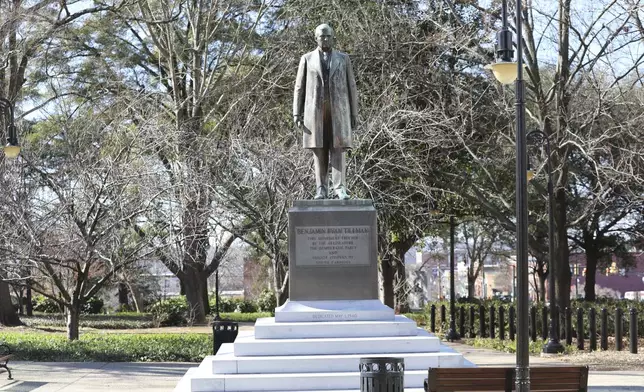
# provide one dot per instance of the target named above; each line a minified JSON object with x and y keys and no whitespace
{"x":542,"y":379}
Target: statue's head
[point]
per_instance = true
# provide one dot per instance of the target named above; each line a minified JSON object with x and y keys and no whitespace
{"x":324,"y":36}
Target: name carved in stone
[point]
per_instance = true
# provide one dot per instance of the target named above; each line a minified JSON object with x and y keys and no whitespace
{"x":321,"y":246}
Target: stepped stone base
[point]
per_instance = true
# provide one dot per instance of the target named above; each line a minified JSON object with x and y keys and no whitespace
{"x":314,"y":356}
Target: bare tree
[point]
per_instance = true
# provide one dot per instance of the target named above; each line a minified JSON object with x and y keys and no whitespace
{"x":571,"y":99}
{"x":75,"y":233}
{"x":482,"y":239}
{"x":193,"y":59}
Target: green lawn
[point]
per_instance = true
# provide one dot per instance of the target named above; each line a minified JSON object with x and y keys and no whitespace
{"x":112,"y":347}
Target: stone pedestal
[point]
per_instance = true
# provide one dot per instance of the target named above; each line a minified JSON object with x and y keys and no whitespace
{"x":333,"y":263}
{"x":333,"y":250}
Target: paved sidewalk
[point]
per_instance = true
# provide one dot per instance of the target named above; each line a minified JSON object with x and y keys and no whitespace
{"x":149,"y":377}
{"x":93,"y":376}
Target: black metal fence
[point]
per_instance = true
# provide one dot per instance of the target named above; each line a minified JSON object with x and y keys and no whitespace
{"x":616,"y":325}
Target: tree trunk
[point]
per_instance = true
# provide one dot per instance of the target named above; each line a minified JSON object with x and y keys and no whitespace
{"x":194,"y":282}
{"x":282,"y":296}
{"x":182,"y":288}
{"x":123,"y":296}
{"x":400,"y":285}
{"x":387,"y":271}
{"x":471,"y":282}
{"x":8,"y":315}
{"x":17,"y":292}
{"x":73,"y":320}
{"x":280,"y":271}
{"x":542,"y":285}
{"x":563,"y":265}
{"x":30,"y":305}
{"x":136,"y":296}
{"x":591,"y":276}
{"x":206,"y":298}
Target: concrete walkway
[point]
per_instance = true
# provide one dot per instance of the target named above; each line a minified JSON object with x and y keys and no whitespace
{"x":149,"y":377}
{"x":93,"y":376}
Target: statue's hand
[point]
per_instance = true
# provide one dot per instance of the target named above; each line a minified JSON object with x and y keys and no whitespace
{"x":354,"y":122}
{"x":298,"y":121}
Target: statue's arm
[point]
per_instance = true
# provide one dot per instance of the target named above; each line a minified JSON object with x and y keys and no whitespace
{"x":353,"y":92}
{"x":298,"y":94}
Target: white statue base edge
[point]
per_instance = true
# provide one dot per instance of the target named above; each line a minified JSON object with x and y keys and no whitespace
{"x":339,"y":310}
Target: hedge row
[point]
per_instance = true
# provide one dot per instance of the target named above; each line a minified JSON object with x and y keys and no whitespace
{"x":122,"y":321}
{"x":33,"y":346}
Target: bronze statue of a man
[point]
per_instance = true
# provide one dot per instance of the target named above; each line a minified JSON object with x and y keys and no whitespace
{"x":325,"y":107}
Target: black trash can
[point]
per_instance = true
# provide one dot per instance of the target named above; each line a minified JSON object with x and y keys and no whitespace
{"x":223,"y":332}
{"x":382,"y":374}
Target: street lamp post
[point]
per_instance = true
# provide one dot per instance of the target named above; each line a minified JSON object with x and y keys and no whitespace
{"x":505,"y":71}
{"x":12,"y":149}
{"x":452,"y":335}
{"x":553,"y":346}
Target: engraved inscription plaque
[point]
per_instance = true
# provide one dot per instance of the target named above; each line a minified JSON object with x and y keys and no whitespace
{"x":333,"y":250}
{"x":322,"y":246}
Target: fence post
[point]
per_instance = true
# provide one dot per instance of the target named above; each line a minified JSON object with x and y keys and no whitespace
{"x":568,"y":326}
{"x":443,"y":317}
{"x":633,"y":331}
{"x":502,"y":322}
{"x":544,"y":322}
{"x":461,"y":319}
{"x":481,"y":321}
{"x":533,"y":323}
{"x":472,"y":333}
{"x":604,"y":337}
{"x":432,"y":318}
{"x":618,"y":329}
{"x":580,"y":329}
{"x":492,"y":322}
{"x":592,"y":321}
{"x":513,"y":328}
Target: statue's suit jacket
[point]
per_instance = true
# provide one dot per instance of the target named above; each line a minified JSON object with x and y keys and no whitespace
{"x":308,"y":100}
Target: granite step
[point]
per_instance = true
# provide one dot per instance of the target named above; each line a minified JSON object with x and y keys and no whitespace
{"x":225,"y":362}
{"x":200,"y":382}
{"x":423,"y":342}
{"x":268,"y":328}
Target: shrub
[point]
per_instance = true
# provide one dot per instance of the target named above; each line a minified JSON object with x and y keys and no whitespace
{"x":244,"y":317}
{"x":245,"y":306}
{"x":184,"y":347}
{"x":170,"y":312}
{"x":510,"y":346}
{"x":94,"y":305}
{"x":266,"y":301}
{"x":45,"y":305}
{"x":97,"y":321}
{"x":232,"y":304}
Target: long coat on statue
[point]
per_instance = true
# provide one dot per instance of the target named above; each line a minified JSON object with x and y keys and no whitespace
{"x":308,"y":100}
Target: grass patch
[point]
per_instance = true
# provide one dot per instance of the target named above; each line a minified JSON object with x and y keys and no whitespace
{"x":96,"y":321}
{"x":510,"y":346}
{"x":419,"y":318}
{"x":94,"y":347}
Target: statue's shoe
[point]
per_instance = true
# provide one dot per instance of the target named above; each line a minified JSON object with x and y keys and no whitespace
{"x":320,"y":193}
{"x":341,"y":194}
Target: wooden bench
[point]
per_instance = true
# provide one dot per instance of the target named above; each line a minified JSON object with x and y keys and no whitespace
{"x":502,"y":379}
{"x":5,"y":355}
